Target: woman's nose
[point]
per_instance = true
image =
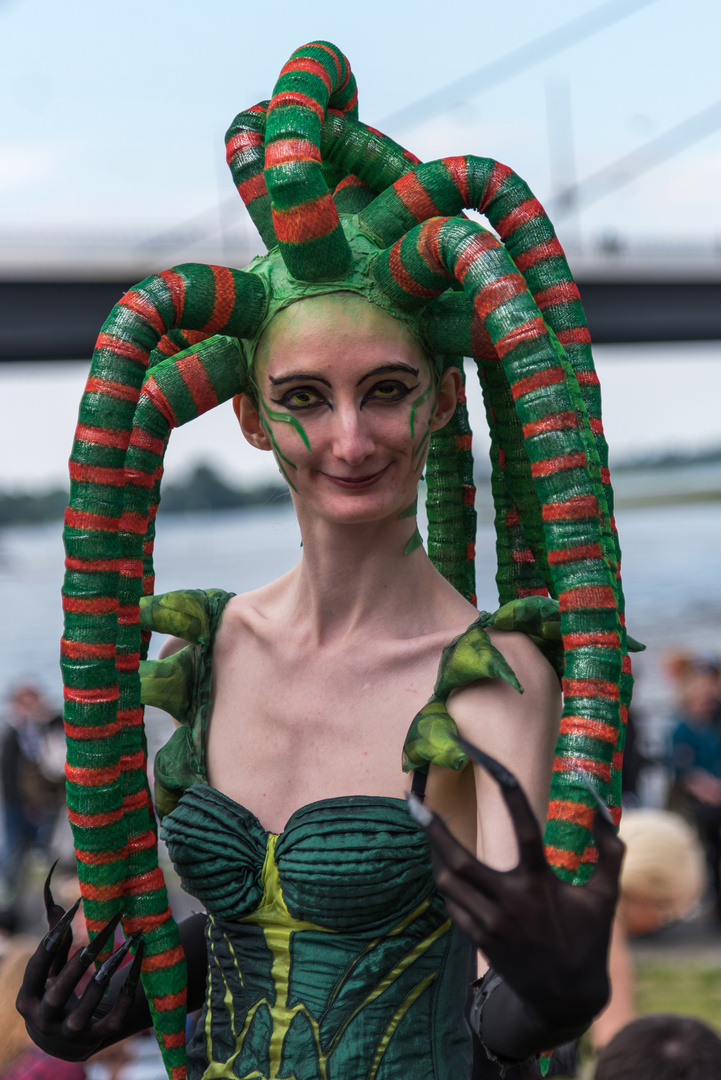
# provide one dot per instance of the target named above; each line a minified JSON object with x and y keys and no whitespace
{"x":352,"y":441}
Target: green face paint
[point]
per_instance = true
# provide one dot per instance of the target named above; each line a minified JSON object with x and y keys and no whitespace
{"x":284,"y":418}
{"x":415,"y":541}
{"x":317,"y":319}
{"x":418,"y":452}
{"x":411,"y":510}
{"x":419,"y":401}
{"x":277,"y":454}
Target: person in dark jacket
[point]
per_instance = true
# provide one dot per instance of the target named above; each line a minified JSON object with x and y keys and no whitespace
{"x":33,"y":781}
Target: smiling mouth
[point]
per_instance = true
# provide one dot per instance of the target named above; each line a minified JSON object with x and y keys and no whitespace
{"x":356,"y":483}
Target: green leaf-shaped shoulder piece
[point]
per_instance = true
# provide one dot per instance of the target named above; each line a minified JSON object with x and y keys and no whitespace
{"x":432,"y":739}
{"x":175,"y":769}
{"x":471,"y":656}
{"x":468,"y":658}
{"x":191,"y":614}
{"x":185,"y":614}
{"x":181,"y":683}
{"x":168,"y":684}
{"x":540,"y":619}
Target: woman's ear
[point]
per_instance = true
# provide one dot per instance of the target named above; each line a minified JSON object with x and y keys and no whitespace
{"x":449,"y":390}
{"x":250,"y":422}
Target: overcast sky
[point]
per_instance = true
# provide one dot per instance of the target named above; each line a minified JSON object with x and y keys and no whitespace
{"x":116,"y":112}
{"x":113,"y":115}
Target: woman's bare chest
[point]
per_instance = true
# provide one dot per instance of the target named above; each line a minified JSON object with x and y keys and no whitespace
{"x":290,"y":726}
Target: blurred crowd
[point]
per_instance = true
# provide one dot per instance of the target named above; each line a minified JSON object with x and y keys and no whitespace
{"x":36,"y":834}
{"x":32,"y":760}
{"x":672,"y":870}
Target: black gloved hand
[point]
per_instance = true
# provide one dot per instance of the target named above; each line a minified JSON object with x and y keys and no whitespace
{"x":59,"y":1022}
{"x":547,"y":939}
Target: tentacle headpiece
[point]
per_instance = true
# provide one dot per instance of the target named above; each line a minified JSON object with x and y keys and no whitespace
{"x":342,"y":207}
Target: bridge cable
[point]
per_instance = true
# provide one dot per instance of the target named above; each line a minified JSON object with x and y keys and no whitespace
{"x":512,"y":64}
{"x":644,"y":158}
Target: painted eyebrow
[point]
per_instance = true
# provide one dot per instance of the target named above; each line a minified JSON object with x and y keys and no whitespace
{"x":299,"y":376}
{"x":388,"y":369}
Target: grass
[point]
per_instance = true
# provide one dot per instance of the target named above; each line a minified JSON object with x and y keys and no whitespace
{"x":684,"y":987}
{"x":689,"y":987}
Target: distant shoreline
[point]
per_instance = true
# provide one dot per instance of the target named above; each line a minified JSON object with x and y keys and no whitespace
{"x":625,"y":502}
{"x":206,"y":491}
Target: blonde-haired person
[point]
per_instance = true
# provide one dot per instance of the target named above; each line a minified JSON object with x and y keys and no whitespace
{"x":662,"y":879}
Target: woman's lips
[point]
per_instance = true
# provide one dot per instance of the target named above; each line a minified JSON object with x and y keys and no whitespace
{"x":355,"y":484}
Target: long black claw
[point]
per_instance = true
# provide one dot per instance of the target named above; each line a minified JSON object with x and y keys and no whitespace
{"x":50,"y":906}
{"x":111,"y":965}
{"x":499,"y":772}
{"x":93,"y":950}
{"x":53,"y":938}
{"x":600,"y":804}
{"x":131,"y":983}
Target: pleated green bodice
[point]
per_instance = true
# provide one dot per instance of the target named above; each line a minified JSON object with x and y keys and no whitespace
{"x":331,"y":957}
{"x":330,"y":954}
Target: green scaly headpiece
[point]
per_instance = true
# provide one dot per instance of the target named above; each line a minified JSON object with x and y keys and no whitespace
{"x":342,"y":207}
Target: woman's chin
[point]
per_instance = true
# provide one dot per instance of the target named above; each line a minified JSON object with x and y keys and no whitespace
{"x":348,"y":507}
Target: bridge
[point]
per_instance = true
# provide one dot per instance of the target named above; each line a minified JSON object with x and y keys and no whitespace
{"x":56,"y":290}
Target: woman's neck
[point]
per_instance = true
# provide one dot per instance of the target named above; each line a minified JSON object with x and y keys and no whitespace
{"x":358,"y":578}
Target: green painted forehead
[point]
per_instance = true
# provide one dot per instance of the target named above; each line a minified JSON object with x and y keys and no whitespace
{"x":282,"y":290}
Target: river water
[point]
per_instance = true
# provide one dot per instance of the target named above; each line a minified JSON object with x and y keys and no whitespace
{"x":671,"y":572}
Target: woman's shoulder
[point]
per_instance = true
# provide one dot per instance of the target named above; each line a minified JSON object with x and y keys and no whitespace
{"x":504,"y":665}
{"x":536,"y":696}
{"x":531,"y":665}
{"x":518,"y":645}
{"x":203,"y":616}
{"x":256,"y":613}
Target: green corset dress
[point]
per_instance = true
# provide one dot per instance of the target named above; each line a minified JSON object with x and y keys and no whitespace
{"x":330,"y":954}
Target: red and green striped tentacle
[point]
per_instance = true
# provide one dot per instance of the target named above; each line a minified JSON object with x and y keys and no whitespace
{"x":305,"y":218}
{"x":518,"y":572}
{"x":362,"y":154}
{"x":172,"y":343}
{"x":245,"y":154}
{"x":448,"y":186}
{"x":177,"y":390}
{"x":451,"y":501}
{"x":541,"y":382}
{"x":445,"y":187}
{"x":108,"y":798}
{"x":362,"y":157}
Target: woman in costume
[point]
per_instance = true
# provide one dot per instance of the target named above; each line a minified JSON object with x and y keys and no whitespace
{"x":328,"y":946}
